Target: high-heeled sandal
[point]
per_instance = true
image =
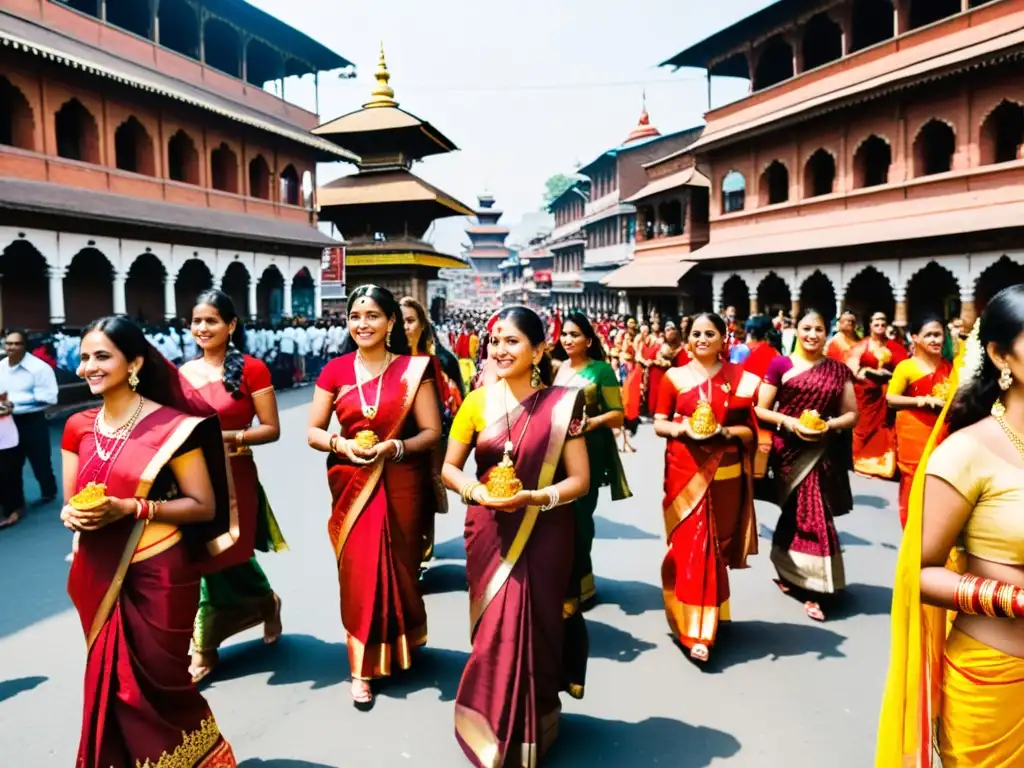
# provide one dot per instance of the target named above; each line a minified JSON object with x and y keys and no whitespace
{"x":813,"y":611}
{"x":364,"y":699}
{"x":700,"y":652}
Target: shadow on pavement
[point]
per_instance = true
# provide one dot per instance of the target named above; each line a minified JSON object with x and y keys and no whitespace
{"x":609,"y":529}
{"x":632,"y":597}
{"x":453,"y":549}
{"x":745,"y":641}
{"x":875,"y":502}
{"x":283,"y":762}
{"x":591,"y":741}
{"x":449,"y":577}
{"x":11,"y":688}
{"x":863,"y":600}
{"x":848,"y":539}
{"x":293,"y":659}
{"x":607,"y":642}
{"x":437,"y":669}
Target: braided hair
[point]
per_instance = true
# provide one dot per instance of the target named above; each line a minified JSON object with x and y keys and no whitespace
{"x":234,"y":360}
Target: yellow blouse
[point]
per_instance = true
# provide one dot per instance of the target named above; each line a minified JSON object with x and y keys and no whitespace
{"x":906,"y":373}
{"x":994,"y":487}
{"x":469,"y":419}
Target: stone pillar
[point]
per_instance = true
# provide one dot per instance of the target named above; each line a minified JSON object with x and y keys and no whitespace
{"x":796,"y":42}
{"x":419,"y":288}
{"x":794,"y":308}
{"x":968,"y":312}
{"x":286,"y":304}
{"x":840,"y":304}
{"x":754,"y":309}
{"x":56,"y":278}
{"x":901,"y":16}
{"x":900,"y":317}
{"x":253,"y":298}
{"x":120,"y":302}
{"x":170,"y":301}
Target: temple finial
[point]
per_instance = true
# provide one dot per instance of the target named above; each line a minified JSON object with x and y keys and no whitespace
{"x":382,"y":95}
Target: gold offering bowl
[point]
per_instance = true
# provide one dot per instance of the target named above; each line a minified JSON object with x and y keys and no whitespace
{"x":703,"y":422}
{"x":366,"y":439}
{"x":941,"y":390}
{"x":502,"y":483}
{"x":812,"y":420}
{"x":90,"y":497}
{"x":883,"y":355}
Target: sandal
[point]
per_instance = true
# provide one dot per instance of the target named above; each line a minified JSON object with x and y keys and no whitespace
{"x":814,"y":611}
{"x":700,"y":652}
{"x":362,"y":695}
{"x":11,"y":519}
{"x":272,"y":628}
{"x":782,"y":586}
{"x":201,"y":671}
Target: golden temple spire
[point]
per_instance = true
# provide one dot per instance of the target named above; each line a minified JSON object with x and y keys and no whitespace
{"x":383,"y":95}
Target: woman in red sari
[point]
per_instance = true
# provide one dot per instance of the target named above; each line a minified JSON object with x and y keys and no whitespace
{"x":633,"y":388}
{"x":845,"y":340}
{"x":376,"y":524}
{"x":810,"y":467}
{"x":239,"y":387}
{"x":709,"y":501}
{"x":519,"y":550}
{"x":167,"y":516}
{"x":873,"y":360}
{"x":668,"y":351}
{"x":918,"y":392}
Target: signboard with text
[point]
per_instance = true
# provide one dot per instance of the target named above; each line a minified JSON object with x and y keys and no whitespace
{"x":332,"y":273}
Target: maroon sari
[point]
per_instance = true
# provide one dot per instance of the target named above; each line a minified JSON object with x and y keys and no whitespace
{"x":376,"y":520}
{"x":519,"y":568}
{"x":136,"y":589}
{"x":813,"y":481}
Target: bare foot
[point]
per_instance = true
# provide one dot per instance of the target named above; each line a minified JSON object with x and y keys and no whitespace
{"x":362,"y":695}
{"x":11,"y":519}
{"x":782,"y":586}
{"x":700,"y":652}
{"x":814,"y":611}
{"x":272,"y":628}
{"x":203,"y":663}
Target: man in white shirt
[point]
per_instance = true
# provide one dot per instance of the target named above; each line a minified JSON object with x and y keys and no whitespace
{"x":31,"y":386}
{"x":12,"y":491}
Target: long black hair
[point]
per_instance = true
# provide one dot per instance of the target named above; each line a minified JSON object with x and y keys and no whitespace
{"x":529,"y":322}
{"x":595,"y":351}
{"x":716,"y":320}
{"x":1002,"y":323}
{"x":428,"y":342}
{"x":386,"y":301}
{"x":234,"y":359}
{"x":156,"y":379}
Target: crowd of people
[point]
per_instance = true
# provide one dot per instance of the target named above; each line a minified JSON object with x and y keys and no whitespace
{"x":167,"y":522}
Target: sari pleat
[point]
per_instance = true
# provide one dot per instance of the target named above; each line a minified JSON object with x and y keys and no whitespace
{"x":874,"y":445}
{"x":913,"y":428}
{"x":519,"y":568}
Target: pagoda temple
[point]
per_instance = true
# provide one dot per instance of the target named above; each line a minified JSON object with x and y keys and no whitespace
{"x":487,"y":253}
{"x":384,"y":210}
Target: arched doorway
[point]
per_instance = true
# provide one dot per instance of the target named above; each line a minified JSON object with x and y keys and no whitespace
{"x":868,"y":292}
{"x":818,"y":293}
{"x":193,"y":278}
{"x":1003,"y":273}
{"x":933,"y":291}
{"x":88,"y":288}
{"x":144,"y":289}
{"x":17,"y":125}
{"x":773,"y":295}
{"x":270,"y":294}
{"x":303,"y":295}
{"x":24,"y":287}
{"x":236,"y":285}
{"x":736,"y":293}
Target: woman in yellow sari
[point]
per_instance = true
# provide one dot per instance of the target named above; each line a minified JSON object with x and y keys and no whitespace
{"x":970,"y":674}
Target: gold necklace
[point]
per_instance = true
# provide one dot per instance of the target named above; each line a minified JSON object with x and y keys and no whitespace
{"x":1000,"y":416}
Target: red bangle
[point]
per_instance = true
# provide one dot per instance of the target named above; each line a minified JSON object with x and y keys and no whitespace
{"x":143,"y":509}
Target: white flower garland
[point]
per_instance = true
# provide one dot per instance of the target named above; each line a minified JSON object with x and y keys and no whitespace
{"x":974,"y":356}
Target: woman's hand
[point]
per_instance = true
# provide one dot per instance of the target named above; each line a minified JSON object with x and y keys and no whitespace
{"x":351,"y":451}
{"x":382,"y":451}
{"x":808,"y":435}
{"x":511,"y":504}
{"x":110,"y":511}
{"x":686,"y":431}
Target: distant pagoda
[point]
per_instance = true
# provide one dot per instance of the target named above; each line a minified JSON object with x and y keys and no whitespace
{"x":384,"y":210}
{"x":487,"y":252}
{"x":644,"y":129}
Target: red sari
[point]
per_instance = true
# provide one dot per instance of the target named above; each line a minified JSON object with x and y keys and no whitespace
{"x":874,"y":444}
{"x":519,"y":568}
{"x":759,"y":359}
{"x":377,"y":521}
{"x":709,"y":502}
{"x":633,"y":389}
{"x":136,"y":589}
{"x":839,"y":348}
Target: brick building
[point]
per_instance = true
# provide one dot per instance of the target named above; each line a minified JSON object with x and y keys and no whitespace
{"x":141,"y":161}
{"x":875,"y":163}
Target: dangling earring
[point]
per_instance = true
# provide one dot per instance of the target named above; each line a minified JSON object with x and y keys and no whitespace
{"x":1005,"y":379}
{"x":133,"y":379}
{"x":535,"y":381}
{"x":387,"y":339}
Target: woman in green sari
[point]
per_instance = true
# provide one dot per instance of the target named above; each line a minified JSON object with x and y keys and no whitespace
{"x":582,"y":366}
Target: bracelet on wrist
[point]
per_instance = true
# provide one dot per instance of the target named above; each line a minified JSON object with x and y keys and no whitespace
{"x":553,"y":498}
{"x":240,"y":438}
{"x":332,"y":444}
{"x":399,"y":450}
{"x":988,"y":597}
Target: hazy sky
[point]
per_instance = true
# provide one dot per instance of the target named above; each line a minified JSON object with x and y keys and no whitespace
{"x":523,"y":93}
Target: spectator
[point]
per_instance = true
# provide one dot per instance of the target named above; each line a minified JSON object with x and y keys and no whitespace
{"x":12,"y":492}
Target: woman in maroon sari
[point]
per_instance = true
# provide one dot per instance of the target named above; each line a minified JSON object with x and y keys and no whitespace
{"x":810,"y":466}
{"x":873,"y":361}
{"x":380,"y":395}
{"x":709,"y":500}
{"x":519,"y":550}
{"x":167,"y":515}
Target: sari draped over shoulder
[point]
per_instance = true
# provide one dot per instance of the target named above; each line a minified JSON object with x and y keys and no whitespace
{"x":874,"y":444}
{"x":136,"y":589}
{"x":813,"y":482}
{"x":519,"y":566}
{"x":915,"y":425}
{"x":376,"y":520}
{"x":709,"y":501}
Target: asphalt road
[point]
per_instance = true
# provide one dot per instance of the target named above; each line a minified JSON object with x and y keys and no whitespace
{"x":780,"y":690}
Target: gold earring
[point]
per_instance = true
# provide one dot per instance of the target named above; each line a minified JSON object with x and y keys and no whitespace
{"x":535,"y":381}
{"x":1005,"y":379}
{"x":133,"y":379}
{"x":387,"y":339}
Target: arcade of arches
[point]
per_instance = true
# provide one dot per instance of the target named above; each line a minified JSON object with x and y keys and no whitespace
{"x":905,"y":289}
{"x":52,"y":279}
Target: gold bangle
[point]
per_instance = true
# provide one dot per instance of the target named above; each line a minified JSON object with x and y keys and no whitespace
{"x":240,"y":437}
{"x":985,"y":594}
{"x":1004,"y":596}
{"x":963,"y":600}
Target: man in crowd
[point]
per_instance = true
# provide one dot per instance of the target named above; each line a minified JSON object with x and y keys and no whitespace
{"x":31,"y":386}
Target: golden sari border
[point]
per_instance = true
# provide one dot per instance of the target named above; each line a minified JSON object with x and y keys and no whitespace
{"x":883,"y":466}
{"x":694,"y":623}
{"x":164,"y":454}
{"x":114,"y":589}
{"x":815,"y":573}
{"x":399,"y":650}
{"x":359,"y":504}
{"x":196,"y":749}
{"x":476,"y":734}
{"x":560,"y":418}
{"x":693,"y":492}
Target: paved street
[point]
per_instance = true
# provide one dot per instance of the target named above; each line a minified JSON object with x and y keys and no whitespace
{"x":780,"y":690}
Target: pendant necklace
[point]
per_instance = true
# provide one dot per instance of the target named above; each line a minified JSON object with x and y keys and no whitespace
{"x":511,"y":447}
{"x":108,"y":447}
{"x":369,"y":411}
